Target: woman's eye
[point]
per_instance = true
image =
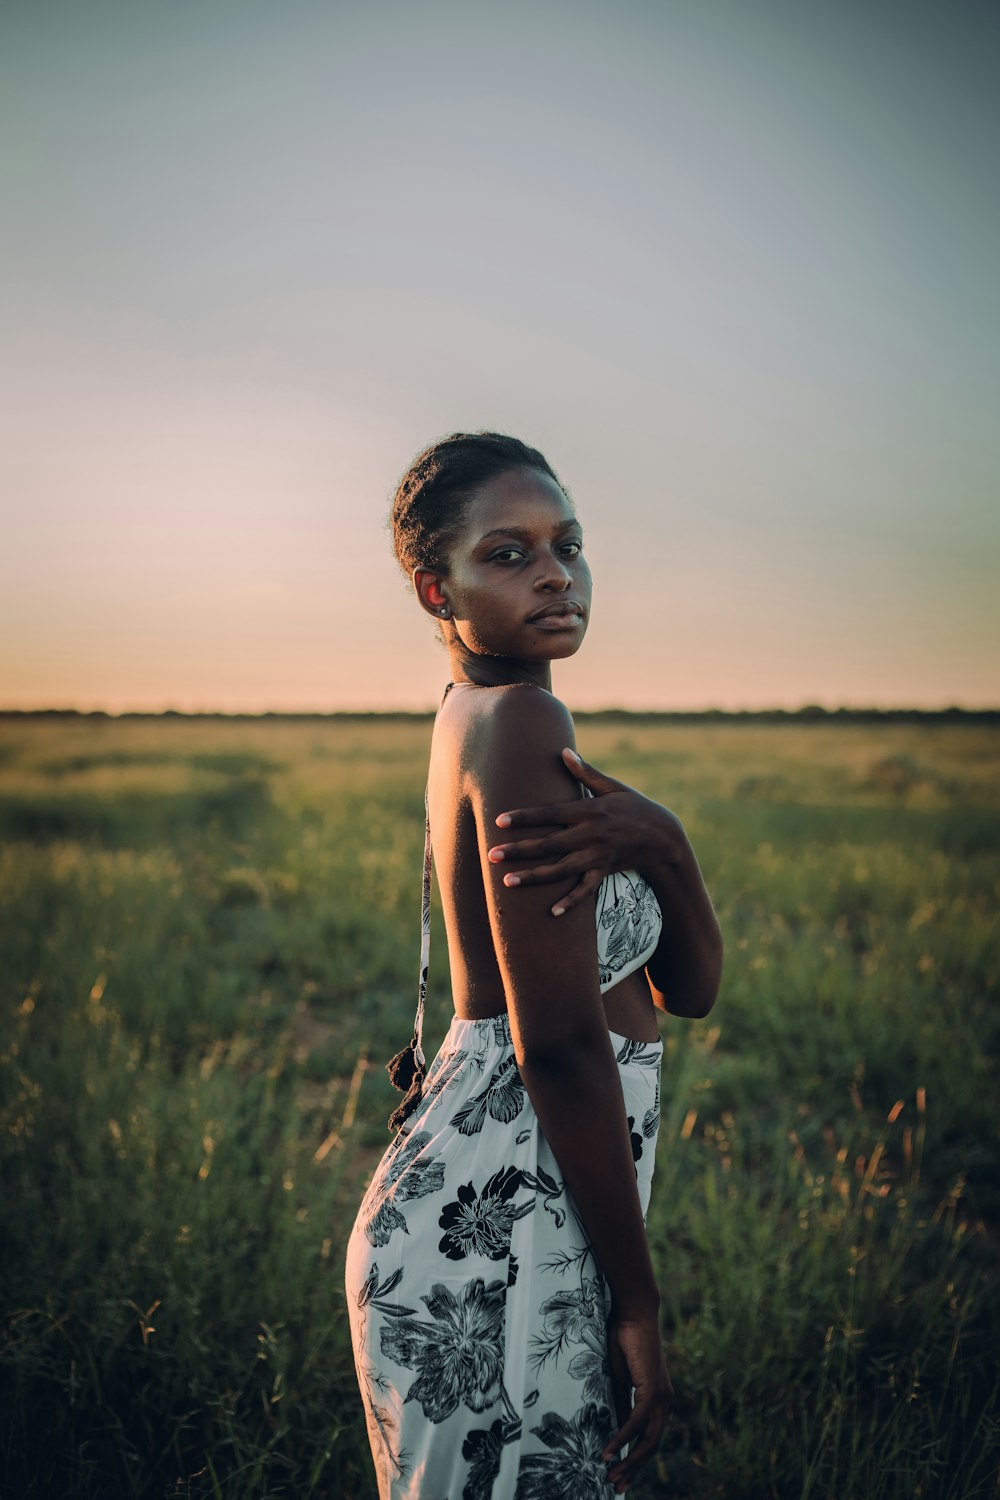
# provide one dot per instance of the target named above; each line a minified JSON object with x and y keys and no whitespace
{"x":515,"y":554}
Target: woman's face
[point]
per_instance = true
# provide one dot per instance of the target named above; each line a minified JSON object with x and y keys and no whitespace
{"x":518,"y":584}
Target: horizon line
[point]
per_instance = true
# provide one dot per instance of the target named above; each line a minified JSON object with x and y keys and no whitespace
{"x":804,"y":711}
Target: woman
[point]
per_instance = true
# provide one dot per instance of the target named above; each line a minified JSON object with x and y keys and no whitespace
{"x":503,"y":1304}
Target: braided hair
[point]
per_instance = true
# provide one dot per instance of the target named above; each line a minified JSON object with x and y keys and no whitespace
{"x":432,"y":495}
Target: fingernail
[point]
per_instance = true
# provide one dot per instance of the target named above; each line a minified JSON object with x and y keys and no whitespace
{"x":557,"y":911}
{"x":572,"y":753}
{"x":496,"y":855}
{"x":512,"y":880}
{"x":503,"y":821}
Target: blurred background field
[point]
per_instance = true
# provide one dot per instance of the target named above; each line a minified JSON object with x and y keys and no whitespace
{"x":209,"y":948}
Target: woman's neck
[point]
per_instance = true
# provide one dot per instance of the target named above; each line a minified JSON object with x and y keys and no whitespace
{"x":498,"y":671}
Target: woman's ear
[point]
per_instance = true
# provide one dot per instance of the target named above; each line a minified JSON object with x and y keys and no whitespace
{"x":429,"y":589}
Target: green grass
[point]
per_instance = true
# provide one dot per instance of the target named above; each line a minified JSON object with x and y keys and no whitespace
{"x":208,"y":948}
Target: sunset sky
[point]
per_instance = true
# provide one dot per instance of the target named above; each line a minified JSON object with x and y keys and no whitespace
{"x":732,"y":265}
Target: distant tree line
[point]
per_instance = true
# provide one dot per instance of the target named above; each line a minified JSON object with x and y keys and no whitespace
{"x":808,"y":714}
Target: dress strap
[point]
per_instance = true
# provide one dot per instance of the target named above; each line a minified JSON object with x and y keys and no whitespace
{"x":425,"y":938}
{"x":409,"y":1067}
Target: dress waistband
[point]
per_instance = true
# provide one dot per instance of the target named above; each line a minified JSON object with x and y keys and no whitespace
{"x":498,"y":1028}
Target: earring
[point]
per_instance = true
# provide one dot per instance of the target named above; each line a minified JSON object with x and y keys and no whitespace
{"x":444,"y":610}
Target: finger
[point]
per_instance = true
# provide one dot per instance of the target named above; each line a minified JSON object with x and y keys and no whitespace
{"x":624,"y":1472}
{"x":621,"y":1384}
{"x":622,"y":1392}
{"x":543,"y":874}
{"x":590,"y":775}
{"x":583,"y":890}
{"x":635,"y":1424}
{"x":552,"y":847}
{"x":566,"y":813}
{"x":621,"y":1472}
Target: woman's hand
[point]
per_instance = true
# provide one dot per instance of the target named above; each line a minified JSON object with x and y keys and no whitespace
{"x":635,"y":1352}
{"x":616,"y":829}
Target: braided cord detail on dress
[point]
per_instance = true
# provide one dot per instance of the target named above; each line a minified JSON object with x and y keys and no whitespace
{"x":408,"y":1068}
{"x":425,"y":936}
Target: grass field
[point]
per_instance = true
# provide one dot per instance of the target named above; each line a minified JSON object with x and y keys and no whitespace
{"x":209,"y":947}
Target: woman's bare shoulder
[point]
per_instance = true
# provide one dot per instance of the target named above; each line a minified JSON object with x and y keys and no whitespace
{"x":514,"y":738}
{"x":495,"y":718}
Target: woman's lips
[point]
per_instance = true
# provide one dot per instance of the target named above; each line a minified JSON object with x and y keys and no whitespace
{"x":562,"y":621}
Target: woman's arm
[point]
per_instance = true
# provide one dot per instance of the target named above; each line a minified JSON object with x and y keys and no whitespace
{"x":685,"y":970}
{"x":563,"y":1049}
{"x":620,"y":829}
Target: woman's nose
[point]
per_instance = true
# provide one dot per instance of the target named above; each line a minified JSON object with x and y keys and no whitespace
{"x":554,"y":575}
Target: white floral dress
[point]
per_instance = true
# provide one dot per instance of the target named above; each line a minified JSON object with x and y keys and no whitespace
{"x":477,"y":1306}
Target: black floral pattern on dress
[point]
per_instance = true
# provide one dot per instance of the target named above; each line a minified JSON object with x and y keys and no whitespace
{"x":643,"y":1054}
{"x":375,"y":1291}
{"x":577,"y":1317}
{"x":432,"y":1335}
{"x":592,"y":1366}
{"x":459,"y":1356}
{"x":485,"y":1450}
{"x":482,"y":1223}
{"x":651,"y":1118}
{"x":632,"y":922}
{"x":445,"y":1073}
{"x":573,"y":1468}
{"x":384,"y":1424}
{"x":502,"y":1099}
{"x":501,"y":1031}
{"x":635,"y":1138}
{"x":401,"y":1178}
{"x":567,"y":1318}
